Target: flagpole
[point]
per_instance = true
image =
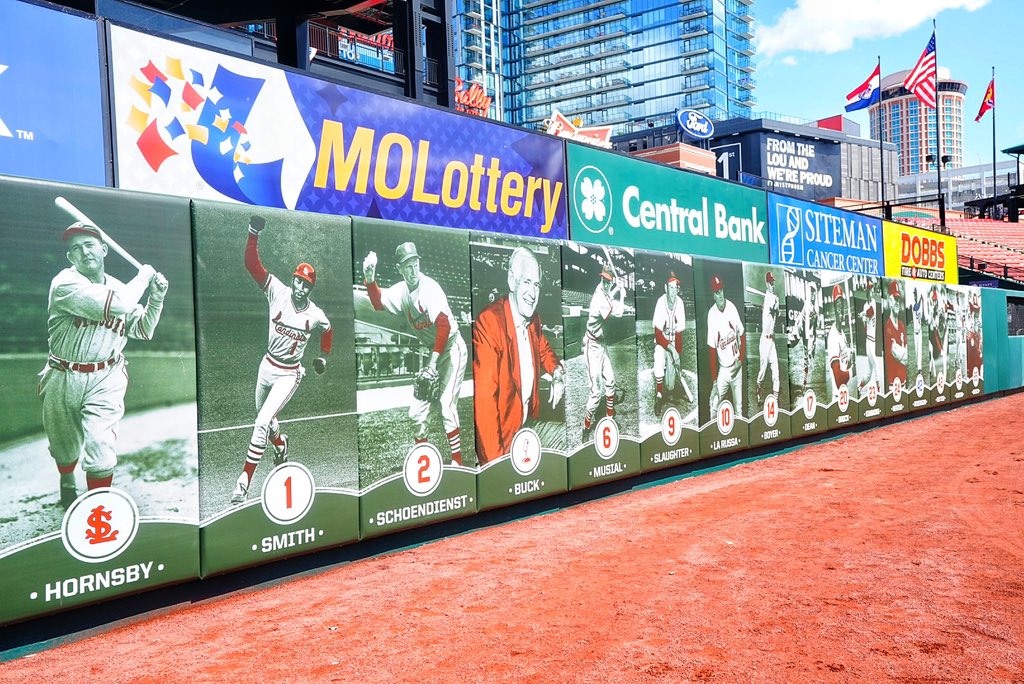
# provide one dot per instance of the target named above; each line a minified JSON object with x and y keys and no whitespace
{"x":993,"y":134}
{"x":938,"y":133}
{"x":881,"y":131}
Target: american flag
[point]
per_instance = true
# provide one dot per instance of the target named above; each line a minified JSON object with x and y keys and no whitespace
{"x":921,"y":80}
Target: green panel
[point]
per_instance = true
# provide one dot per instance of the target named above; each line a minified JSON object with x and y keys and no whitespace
{"x":896,"y":343}
{"x":43,"y":577}
{"x":242,"y":536}
{"x":257,"y":366}
{"x":768,"y":391}
{"x":807,"y":340}
{"x":1016,"y":374}
{"x":517,"y":334}
{"x":996,"y":337}
{"x":723,"y":409}
{"x":134,"y":418}
{"x":599,"y":324}
{"x":410,"y":449}
{"x":665,"y":323}
{"x":615,"y":199}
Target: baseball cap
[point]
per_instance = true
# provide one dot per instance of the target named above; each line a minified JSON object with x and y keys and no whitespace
{"x":935,"y":295}
{"x":81,"y":228}
{"x":716,"y":283}
{"x":672,"y":278}
{"x":406,"y":251}
{"x":769,"y":278}
{"x":894,"y":289}
{"x":837,"y":292}
{"x":607,"y":274}
{"x":306,"y":272}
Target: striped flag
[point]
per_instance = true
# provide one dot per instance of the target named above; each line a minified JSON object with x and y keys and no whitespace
{"x":989,"y":102}
{"x":921,"y":80}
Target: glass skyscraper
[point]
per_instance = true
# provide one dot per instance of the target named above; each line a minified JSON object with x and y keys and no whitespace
{"x":628,"y":63}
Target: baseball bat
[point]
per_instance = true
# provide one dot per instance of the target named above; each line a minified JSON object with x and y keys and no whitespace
{"x":78,"y":215}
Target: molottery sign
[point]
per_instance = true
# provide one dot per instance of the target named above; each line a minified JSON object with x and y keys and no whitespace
{"x":814,"y":236}
{"x":919,"y":254}
{"x":200,"y":124}
{"x":618,"y":200}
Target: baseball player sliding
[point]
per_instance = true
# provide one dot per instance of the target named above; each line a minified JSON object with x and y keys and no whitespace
{"x":82,"y":387}
{"x":608,"y":300}
{"x":769,"y":355}
{"x":669,"y":323}
{"x":728,"y":349}
{"x":421,"y":301}
{"x":293,"y":320}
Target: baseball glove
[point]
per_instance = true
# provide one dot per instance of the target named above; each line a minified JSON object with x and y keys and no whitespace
{"x":427,"y":386}
{"x":320,"y":365}
{"x":257,"y":224}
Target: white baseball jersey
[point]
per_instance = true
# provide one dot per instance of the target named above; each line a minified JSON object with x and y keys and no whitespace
{"x":82,"y":325}
{"x":290,"y":329}
{"x":870,"y":323}
{"x":837,"y":350}
{"x":724,"y":331}
{"x":769,"y":310}
{"x":421,"y":307}
{"x":671,"y":321}
{"x":602,"y":305}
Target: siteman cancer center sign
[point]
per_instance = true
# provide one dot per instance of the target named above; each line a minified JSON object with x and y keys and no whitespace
{"x":810,"y":235}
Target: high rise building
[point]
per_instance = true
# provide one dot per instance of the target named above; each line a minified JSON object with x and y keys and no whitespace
{"x":477,"y":44}
{"x":628,"y":63}
{"x":911,"y":126}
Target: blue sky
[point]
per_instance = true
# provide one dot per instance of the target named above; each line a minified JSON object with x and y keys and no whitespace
{"x":811,"y":53}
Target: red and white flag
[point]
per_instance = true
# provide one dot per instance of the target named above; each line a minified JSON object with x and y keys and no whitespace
{"x":989,"y":102}
{"x":921,"y":80}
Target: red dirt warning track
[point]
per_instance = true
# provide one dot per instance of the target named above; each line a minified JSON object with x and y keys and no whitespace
{"x":893,"y":555}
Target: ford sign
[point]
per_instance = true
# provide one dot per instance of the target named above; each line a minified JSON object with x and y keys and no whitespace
{"x":695,"y":124}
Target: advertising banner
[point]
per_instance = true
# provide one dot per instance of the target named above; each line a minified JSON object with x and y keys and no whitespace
{"x":815,"y":236}
{"x":518,"y":368}
{"x":666,"y":348}
{"x":51,"y":112}
{"x":869,"y":317}
{"x":599,"y":319}
{"x":413,"y":345}
{"x":98,"y":454}
{"x":278,"y":475}
{"x":722,"y":357}
{"x":193,"y":122}
{"x":919,"y":254}
{"x":618,"y":200}
{"x":896,"y":346}
{"x":766,"y":316}
{"x":807,"y":339}
{"x":803,"y":167}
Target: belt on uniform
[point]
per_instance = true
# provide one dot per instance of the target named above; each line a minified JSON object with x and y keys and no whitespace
{"x":274,"y":361}
{"x":769,"y":336}
{"x":61,"y":364}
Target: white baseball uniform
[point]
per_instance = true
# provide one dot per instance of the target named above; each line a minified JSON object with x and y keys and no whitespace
{"x":599,"y":367}
{"x":766,"y":349}
{"x":837,"y":349}
{"x":669,"y":324}
{"x":83,"y":384}
{"x":918,"y":313}
{"x":869,"y":312}
{"x":725,"y":332}
{"x":427,"y":310}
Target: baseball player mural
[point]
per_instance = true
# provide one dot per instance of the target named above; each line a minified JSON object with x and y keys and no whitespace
{"x":293,"y":321}
{"x":417,"y":443}
{"x":599,"y":315}
{"x":841,"y":357}
{"x":92,"y":315}
{"x":722,"y":355}
{"x":868,"y":315}
{"x":895,"y":346}
{"x":974,"y":347}
{"x":809,"y":384}
{"x":666,"y":359}
{"x":767,"y":369}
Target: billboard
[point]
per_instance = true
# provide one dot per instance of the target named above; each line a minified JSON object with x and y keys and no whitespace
{"x":198,"y":123}
{"x":800,"y":166}
{"x":919,"y":254}
{"x":51,"y":113}
{"x":618,"y":200}
{"x":98,"y":452}
{"x":815,"y":236}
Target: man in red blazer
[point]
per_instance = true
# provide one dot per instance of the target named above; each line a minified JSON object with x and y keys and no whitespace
{"x":510,"y":356}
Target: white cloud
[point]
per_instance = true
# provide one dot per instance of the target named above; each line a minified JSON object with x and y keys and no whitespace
{"x":828,"y":26}
{"x":789,"y":60}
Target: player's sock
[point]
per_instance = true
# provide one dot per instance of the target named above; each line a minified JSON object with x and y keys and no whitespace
{"x":455,"y":444}
{"x":252,"y":459}
{"x":587,"y":420}
{"x":69,"y":468}
{"x":609,"y":402}
{"x":97,"y":482}
{"x":659,"y":382}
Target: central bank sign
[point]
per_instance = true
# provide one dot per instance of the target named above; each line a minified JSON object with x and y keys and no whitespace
{"x":621,"y":201}
{"x":814,"y":236}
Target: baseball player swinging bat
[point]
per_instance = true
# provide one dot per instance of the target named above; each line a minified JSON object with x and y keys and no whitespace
{"x":79,"y":215}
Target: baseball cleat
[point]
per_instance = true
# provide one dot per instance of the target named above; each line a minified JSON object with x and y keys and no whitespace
{"x":281,"y":452}
{"x":659,"y":404}
{"x":241,"y":490}
{"x":68,"y":494}
{"x":588,"y":434}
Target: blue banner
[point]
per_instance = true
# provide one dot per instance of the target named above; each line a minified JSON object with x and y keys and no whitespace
{"x":51,"y":116}
{"x":814,"y":236}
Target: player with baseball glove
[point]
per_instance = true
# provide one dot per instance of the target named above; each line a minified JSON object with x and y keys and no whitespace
{"x":728,"y":350}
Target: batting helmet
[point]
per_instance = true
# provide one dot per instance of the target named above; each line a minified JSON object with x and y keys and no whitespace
{"x":837,"y":292}
{"x":894,"y":289}
{"x":606,"y":273}
{"x":404,"y":252}
{"x":81,"y":228}
{"x":306,"y":272}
